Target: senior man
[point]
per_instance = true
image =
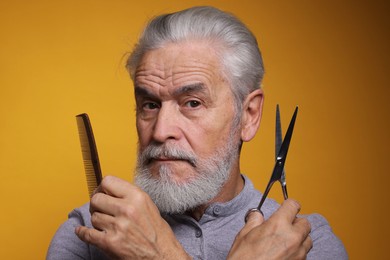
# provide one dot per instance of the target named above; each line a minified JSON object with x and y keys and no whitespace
{"x":197,"y":76}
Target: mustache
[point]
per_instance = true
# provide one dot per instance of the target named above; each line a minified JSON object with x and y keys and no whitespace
{"x":156,"y":151}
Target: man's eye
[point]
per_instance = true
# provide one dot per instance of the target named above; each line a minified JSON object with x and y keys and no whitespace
{"x":193,"y":103}
{"x":150,"y":106}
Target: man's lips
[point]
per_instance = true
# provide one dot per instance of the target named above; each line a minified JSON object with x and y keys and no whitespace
{"x":166,"y":159}
{"x":169,"y":159}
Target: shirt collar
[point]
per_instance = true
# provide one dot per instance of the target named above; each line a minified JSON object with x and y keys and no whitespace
{"x":238,"y":203}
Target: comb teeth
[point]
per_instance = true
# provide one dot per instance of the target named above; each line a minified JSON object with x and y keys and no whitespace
{"x":89,"y":152}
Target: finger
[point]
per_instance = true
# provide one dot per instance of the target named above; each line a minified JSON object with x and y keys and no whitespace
{"x":104,"y":203}
{"x":303,"y":250}
{"x":254,"y":219}
{"x":303,"y":225}
{"x":302,"y":228}
{"x":116,"y":187}
{"x":308,"y":244}
{"x":90,"y":235}
{"x":288,"y":210}
{"x":97,"y":190}
{"x":102,"y":222}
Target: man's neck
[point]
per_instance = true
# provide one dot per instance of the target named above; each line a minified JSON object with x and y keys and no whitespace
{"x":231,"y":189}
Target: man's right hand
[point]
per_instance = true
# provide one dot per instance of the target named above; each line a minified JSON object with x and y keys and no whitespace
{"x":282,"y":236}
{"x":128,"y":225}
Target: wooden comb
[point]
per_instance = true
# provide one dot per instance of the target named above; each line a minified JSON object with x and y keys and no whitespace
{"x":89,"y":152}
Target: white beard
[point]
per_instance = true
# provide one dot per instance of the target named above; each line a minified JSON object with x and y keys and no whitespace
{"x":175,"y":198}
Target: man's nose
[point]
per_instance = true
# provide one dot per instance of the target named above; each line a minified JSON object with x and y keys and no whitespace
{"x":167,"y":125}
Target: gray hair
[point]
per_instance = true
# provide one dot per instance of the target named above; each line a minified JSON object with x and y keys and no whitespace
{"x":240,"y":54}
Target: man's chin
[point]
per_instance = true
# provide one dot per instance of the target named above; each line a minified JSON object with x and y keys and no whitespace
{"x":177,"y":173}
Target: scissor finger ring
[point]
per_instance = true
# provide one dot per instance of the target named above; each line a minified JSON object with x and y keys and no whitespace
{"x":250,"y":211}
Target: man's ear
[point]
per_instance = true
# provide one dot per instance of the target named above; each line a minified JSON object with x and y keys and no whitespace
{"x":251,"y":114}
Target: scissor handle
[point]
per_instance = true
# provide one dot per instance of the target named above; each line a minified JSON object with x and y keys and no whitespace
{"x":250,"y":211}
{"x":284,"y":189}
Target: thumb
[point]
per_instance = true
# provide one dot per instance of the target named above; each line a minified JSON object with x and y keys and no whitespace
{"x":253,"y":219}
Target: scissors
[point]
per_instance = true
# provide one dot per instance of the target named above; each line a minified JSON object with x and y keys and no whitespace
{"x":281,"y":149}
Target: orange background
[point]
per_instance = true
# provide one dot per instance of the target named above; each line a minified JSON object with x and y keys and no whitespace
{"x":62,"y":58}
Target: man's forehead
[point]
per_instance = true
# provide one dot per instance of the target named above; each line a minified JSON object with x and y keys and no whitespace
{"x":188,"y":54}
{"x":179,"y":71}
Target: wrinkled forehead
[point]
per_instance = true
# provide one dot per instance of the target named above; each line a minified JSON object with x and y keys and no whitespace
{"x":181,"y":64}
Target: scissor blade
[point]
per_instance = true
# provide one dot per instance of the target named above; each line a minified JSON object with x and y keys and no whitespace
{"x":287,"y":138}
{"x":278,"y":142}
{"x":278,"y":132}
{"x":280,"y":160}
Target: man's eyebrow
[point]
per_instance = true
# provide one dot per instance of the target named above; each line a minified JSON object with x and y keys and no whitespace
{"x":140,"y":91}
{"x":197,"y":87}
{"x":192,"y":88}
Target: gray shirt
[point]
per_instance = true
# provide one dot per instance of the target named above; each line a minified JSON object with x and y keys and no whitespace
{"x":209,"y":238}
